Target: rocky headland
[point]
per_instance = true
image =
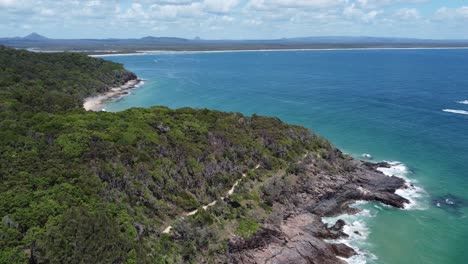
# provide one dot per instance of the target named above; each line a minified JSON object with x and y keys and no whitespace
{"x":301,"y":236}
{"x":98,"y":187}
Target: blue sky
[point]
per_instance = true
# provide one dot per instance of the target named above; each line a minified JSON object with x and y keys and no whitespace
{"x":234,"y":19}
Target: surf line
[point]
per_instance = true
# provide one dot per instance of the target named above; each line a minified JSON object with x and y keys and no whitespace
{"x":206,"y":207}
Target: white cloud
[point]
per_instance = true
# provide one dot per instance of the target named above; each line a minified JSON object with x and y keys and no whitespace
{"x":269,"y":5}
{"x":168,"y":2}
{"x":136,"y":11}
{"x":217,"y":6}
{"x":228,"y":18}
{"x":444,"y":13}
{"x":353,"y":12}
{"x":407,"y":14}
{"x":172,"y":12}
{"x":9,"y":3}
{"x":253,"y":22}
{"x":373,"y":4}
{"x":46,"y":12}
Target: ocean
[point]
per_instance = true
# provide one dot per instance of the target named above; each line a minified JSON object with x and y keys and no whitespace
{"x":409,"y":107}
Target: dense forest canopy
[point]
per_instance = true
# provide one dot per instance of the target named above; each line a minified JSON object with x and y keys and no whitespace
{"x":98,"y":187}
{"x":54,"y":81}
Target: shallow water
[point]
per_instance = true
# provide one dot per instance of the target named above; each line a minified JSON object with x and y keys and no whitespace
{"x":388,"y":103}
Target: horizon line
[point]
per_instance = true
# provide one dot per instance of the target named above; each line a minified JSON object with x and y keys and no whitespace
{"x":242,"y":39}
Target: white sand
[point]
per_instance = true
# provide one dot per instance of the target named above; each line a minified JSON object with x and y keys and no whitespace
{"x":94,"y":103}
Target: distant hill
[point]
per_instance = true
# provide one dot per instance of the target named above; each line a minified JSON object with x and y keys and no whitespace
{"x":35,"y":36}
{"x":163,"y":39}
{"x":38,"y":42}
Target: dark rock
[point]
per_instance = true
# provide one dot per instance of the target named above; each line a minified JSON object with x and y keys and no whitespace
{"x":261,"y":239}
{"x":338,"y":226}
{"x":343,"y":250}
{"x":374,"y":166}
{"x":450,"y":203}
{"x":291,"y":244}
{"x":163,"y":129}
{"x":318,"y":193}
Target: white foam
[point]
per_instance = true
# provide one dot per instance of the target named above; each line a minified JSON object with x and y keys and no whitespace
{"x":411,"y":191}
{"x":463,"y":102}
{"x":361,"y":258}
{"x":396,"y":169}
{"x":358,"y":233}
{"x":454,"y":111}
{"x":356,"y":227}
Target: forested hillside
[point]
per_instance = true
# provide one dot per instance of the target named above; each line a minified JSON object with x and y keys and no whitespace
{"x":54,"y":81}
{"x":98,"y":187}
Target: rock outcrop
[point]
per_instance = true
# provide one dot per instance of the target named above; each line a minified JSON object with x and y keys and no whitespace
{"x":302,"y":236}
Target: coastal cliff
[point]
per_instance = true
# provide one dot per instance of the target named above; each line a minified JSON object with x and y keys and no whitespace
{"x":300,"y":236}
{"x":96,"y":187}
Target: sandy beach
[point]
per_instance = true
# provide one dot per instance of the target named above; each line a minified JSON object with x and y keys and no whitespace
{"x":95,"y":103}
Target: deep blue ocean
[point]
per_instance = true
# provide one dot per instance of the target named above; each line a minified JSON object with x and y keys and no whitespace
{"x":387,"y":103}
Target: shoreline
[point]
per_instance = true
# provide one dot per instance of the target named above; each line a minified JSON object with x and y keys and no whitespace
{"x":95,"y":103}
{"x":149,"y":52}
{"x":356,"y":227}
{"x":331,"y":197}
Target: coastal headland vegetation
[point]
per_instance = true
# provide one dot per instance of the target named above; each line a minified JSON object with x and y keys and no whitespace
{"x":79,"y":186}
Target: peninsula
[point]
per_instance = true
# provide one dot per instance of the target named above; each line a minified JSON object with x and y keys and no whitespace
{"x":81,"y":186}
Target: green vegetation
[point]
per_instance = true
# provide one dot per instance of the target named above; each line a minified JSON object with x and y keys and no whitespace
{"x":98,"y":187}
{"x":247,"y":227}
{"x":54,"y":81}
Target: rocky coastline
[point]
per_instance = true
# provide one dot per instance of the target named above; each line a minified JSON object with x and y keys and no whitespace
{"x":301,"y":236}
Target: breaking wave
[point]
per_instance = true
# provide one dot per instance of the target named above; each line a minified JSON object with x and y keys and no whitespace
{"x":454,"y":111}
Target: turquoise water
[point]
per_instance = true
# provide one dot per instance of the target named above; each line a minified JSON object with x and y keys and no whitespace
{"x":384,"y":102}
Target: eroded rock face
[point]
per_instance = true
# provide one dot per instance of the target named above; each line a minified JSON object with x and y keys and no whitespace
{"x":343,"y":250}
{"x":365,"y":183}
{"x":300,"y":237}
{"x":298,"y":240}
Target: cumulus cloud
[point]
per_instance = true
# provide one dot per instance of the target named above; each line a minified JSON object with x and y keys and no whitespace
{"x":353,"y":12}
{"x":7,"y":3}
{"x":217,"y":6}
{"x":172,"y":12}
{"x":269,"y":5}
{"x":407,"y":14}
{"x":168,"y":2}
{"x":445,"y":13}
{"x":252,"y":18}
{"x":374,"y":4}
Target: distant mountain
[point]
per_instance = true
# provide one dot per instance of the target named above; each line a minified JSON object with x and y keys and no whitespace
{"x":34,"y":36}
{"x":366,"y":39}
{"x":38,"y":42}
{"x":163,"y":39}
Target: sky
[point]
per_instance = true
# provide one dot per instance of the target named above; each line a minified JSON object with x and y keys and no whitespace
{"x":235,"y":19}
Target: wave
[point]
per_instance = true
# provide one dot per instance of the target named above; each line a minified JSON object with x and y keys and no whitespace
{"x":463,"y":102}
{"x":357,"y":230}
{"x":411,"y":191}
{"x":454,"y":111}
{"x":356,"y":225}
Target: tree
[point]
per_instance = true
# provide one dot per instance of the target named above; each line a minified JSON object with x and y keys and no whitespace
{"x":83,"y":236}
